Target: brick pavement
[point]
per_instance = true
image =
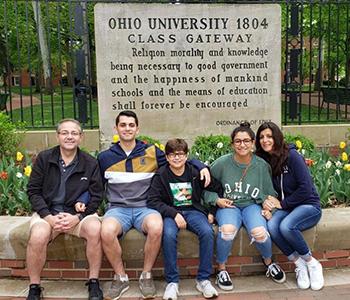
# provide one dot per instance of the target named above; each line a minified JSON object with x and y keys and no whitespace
{"x":337,"y":287}
{"x":340,"y":292}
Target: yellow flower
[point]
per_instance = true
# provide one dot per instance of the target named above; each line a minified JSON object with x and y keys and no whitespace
{"x":160,"y":146}
{"x":344,"y":156}
{"x":19,"y":156}
{"x":347,"y":167}
{"x":27,"y":170}
{"x":298,"y":144}
{"x":342,"y":145}
{"x":115,"y":138}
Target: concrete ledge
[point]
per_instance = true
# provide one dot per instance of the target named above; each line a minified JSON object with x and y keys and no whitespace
{"x":322,"y":135}
{"x":329,"y":239}
{"x":36,"y":141}
{"x":331,"y":233}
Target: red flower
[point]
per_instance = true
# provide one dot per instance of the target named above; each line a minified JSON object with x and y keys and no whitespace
{"x":309,"y":162}
{"x":3,"y":175}
{"x":145,"y":142}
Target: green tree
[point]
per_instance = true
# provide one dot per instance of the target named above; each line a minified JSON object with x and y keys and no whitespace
{"x":327,"y":26}
{"x":40,"y":47}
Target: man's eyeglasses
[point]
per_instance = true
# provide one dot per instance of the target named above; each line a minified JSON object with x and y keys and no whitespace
{"x":67,"y":133}
{"x":177,"y":154}
{"x":238,"y":142}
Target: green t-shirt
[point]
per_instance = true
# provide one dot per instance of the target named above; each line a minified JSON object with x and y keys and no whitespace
{"x":243,"y":185}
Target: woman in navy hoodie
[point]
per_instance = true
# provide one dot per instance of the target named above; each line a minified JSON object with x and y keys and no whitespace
{"x":297,"y":207}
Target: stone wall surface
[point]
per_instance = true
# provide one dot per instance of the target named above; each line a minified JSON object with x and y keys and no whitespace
{"x":193,"y":68}
{"x":322,"y":135}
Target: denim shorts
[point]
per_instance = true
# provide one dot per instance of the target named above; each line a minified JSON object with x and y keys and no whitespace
{"x":130,"y":217}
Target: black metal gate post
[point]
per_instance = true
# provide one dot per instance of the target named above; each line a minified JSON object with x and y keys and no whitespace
{"x":82,"y":86}
{"x":293,"y":82}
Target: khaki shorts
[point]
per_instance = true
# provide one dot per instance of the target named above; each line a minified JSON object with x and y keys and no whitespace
{"x":36,"y":219}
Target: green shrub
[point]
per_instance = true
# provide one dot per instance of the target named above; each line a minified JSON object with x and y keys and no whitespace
{"x":307,"y":144}
{"x":209,"y":148}
{"x":148,"y":140}
{"x":11,"y":136}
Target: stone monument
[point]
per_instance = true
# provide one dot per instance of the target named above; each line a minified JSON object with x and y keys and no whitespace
{"x":188,"y":69}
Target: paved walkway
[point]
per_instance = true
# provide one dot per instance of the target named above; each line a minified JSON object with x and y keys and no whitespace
{"x":337,"y":287}
{"x":315,"y":99}
{"x":18,"y":102}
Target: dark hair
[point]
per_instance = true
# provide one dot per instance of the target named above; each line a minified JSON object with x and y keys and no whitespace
{"x":58,"y":126}
{"x":176,"y":145}
{"x":278,"y":156}
{"x":127,"y":113}
{"x":243,"y":127}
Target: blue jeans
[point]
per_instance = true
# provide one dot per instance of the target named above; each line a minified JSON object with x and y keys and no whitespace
{"x":285,"y":229}
{"x":197,"y":222}
{"x":250,"y":216}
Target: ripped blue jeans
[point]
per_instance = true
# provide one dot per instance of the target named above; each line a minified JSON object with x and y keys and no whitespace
{"x":250,"y":217}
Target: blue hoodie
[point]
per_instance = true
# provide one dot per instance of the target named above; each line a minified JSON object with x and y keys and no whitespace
{"x":128,"y":178}
{"x":295,"y":185}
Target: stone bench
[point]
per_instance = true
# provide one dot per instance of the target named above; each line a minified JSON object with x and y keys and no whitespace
{"x":329,"y":241}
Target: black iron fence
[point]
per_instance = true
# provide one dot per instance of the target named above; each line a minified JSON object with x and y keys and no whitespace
{"x":48,"y":70}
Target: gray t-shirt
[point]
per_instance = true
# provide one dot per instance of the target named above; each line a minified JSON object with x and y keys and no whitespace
{"x":66,"y":170}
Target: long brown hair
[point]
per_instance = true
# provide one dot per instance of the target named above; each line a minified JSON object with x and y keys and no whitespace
{"x":277,"y":158}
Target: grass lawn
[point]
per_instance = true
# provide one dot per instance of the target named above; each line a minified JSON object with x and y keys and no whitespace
{"x":53,"y":108}
{"x":312,"y":115}
{"x":60,"y":105}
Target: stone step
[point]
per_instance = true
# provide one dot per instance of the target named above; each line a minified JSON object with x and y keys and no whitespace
{"x":14,"y":289}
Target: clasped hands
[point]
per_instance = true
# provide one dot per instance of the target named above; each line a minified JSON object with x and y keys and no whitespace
{"x":63,"y":221}
{"x":269,"y":204}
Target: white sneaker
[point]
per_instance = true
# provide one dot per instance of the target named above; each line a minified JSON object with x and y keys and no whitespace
{"x":316,"y":275}
{"x":171,"y":291}
{"x":302,"y":275}
{"x":206,"y":288}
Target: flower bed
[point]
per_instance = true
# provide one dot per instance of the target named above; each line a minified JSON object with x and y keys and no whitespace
{"x":331,"y":173}
{"x":14,"y":175}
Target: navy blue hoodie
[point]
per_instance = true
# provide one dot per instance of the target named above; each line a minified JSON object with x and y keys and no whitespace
{"x":295,"y":185}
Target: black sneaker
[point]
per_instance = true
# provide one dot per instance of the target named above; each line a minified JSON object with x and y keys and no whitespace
{"x":223,"y":280}
{"x":95,"y":293}
{"x":276,"y":273}
{"x":35,"y":292}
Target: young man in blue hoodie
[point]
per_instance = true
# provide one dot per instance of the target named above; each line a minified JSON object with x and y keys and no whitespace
{"x":127,"y":168}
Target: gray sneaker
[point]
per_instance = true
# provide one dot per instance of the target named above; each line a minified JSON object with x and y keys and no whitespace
{"x":146,"y":284}
{"x":117,"y":288}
